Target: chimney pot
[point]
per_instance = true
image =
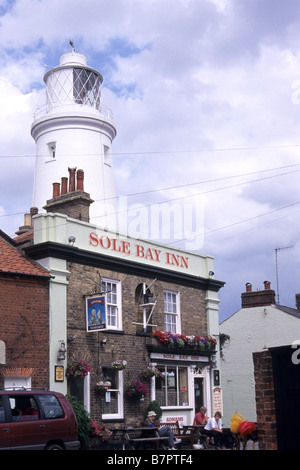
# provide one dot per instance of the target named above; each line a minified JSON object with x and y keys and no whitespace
{"x":80,"y":178}
{"x":72,"y":179}
{"x":34,"y":211}
{"x":56,"y":189}
{"x":64,"y":185}
{"x":248,"y":287}
{"x":267,"y":285}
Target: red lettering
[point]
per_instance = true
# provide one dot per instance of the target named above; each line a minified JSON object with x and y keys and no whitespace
{"x":126,"y":247}
{"x":140,"y":251}
{"x":148,"y":254}
{"x":93,"y":239}
{"x":177,"y":260}
{"x":114,"y":245}
{"x":157,"y":254}
{"x":105,"y":242}
{"x":184,"y":262}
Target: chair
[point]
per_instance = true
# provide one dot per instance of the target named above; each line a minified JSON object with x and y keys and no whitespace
{"x":186,"y":435}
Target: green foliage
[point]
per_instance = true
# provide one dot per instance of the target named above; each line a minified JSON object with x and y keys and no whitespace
{"x":85,"y":428}
{"x":155,"y":406}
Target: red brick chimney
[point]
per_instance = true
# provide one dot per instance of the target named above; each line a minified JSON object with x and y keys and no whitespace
{"x":74,"y":202}
{"x":259,"y":298}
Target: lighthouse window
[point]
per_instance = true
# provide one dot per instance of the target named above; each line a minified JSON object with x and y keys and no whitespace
{"x":51,"y":150}
{"x":86,"y":87}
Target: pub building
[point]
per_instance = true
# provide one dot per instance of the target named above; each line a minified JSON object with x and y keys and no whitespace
{"x":126,"y":311}
{"x":112,"y":297}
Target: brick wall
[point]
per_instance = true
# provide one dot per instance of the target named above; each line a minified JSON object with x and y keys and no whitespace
{"x":130,"y":344}
{"x":265,"y":400}
{"x":24,"y":317}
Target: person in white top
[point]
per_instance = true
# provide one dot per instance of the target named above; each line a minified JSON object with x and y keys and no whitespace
{"x":214,"y":429}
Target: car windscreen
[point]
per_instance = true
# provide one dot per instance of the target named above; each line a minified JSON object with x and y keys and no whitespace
{"x":51,"y":406}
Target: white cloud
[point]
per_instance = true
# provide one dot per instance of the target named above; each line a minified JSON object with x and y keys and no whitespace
{"x":200,"y":91}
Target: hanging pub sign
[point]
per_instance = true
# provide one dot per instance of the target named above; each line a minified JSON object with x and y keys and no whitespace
{"x":96,"y":313}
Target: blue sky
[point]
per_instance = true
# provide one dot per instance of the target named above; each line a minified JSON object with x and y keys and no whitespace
{"x":206,"y":100}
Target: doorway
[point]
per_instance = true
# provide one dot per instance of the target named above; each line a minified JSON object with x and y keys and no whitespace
{"x":198,"y":393}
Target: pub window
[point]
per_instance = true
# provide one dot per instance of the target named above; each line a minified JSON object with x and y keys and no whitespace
{"x":112,"y":289}
{"x":112,"y":404}
{"x":171,"y":388}
{"x":172,"y":311}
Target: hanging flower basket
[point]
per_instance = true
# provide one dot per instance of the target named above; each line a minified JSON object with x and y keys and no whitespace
{"x":150,"y":372}
{"x":78,"y":369}
{"x":120,"y":364}
{"x":103,"y":386}
{"x":137,"y":389}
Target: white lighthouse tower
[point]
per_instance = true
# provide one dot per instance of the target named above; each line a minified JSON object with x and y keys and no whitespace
{"x":74,"y":130}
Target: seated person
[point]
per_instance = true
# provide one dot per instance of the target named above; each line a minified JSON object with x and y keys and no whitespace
{"x":165,"y":431}
{"x":213,"y":428}
{"x":201,"y":418}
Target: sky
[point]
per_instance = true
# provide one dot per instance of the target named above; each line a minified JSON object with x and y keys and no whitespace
{"x":206,"y":100}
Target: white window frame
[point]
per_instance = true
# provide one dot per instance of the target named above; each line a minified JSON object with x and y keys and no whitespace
{"x":117,"y":305}
{"x":175,"y":314}
{"x":165,"y":386}
{"x":120,"y":394}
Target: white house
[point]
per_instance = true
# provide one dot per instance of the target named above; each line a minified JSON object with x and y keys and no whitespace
{"x":259,"y":324}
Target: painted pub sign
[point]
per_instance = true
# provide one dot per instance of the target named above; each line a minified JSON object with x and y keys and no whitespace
{"x":96,"y":313}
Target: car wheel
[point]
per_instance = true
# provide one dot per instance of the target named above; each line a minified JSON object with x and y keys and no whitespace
{"x":54,"y":447}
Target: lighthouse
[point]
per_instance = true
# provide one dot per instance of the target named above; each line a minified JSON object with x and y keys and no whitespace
{"x":74,"y":130}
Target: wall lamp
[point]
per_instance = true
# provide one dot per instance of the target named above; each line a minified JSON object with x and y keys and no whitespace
{"x":72,"y":239}
{"x":213,"y":362}
{"x":61,"y":356}
{"x":103,"y":342}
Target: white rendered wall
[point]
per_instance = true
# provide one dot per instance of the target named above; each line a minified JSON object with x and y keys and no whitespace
{"x":80,"y":142}
{"x":250,"y":330}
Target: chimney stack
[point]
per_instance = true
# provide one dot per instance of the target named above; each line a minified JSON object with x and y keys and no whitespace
{"x":259,"y":298}
{"x":74,"y":203}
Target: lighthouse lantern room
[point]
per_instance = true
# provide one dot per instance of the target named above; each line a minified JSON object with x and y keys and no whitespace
{"x":74,"y":129}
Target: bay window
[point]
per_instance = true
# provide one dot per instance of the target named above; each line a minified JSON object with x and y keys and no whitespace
{"x":171,"y":389}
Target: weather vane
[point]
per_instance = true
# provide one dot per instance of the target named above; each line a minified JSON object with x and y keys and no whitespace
{"x":72,"y":44}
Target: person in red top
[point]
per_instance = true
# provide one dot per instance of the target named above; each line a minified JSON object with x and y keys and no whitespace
{"x":201,"y":418}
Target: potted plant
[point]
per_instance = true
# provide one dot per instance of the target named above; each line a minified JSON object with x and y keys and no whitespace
{"x":137,"y":389}
{"x":103,"y":385}
{"x":99,"y":435}
{"x":151,"y":371}
{"x":178,"y":341}
{"x":78,"y":369}
{"x":120,"y":364}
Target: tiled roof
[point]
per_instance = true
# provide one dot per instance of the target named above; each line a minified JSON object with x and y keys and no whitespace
{"x":12,"y":260}
{"x":24,"y":237}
